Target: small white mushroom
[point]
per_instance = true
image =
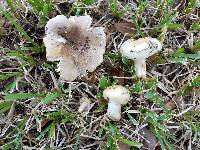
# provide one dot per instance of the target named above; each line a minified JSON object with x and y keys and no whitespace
{"x":77,"y":46}
{"x":84,"y":104}
{"x":139,"y":50}
{"x":117,"y":95}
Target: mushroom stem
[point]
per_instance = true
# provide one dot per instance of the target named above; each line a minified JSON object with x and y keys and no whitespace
{"x":71,"y":72}
{"x":140,"y":68}
{"x":114,"y":110}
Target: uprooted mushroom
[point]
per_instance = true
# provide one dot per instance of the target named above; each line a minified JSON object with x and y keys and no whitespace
{"x":76,"y":46}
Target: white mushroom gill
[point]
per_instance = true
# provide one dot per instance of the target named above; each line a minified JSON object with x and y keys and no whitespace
{"x":78,"y":47}
{"x":139,"y":50}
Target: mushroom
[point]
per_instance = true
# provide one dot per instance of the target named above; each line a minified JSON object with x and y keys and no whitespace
{"x":84,"y":104}
{"x":117,"y":95}
{"x":139,"y":50}
{"x":76,"y":46}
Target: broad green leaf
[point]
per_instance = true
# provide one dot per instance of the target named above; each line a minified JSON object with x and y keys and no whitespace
{"x":150,"y":94}
{"x":104,"y":82}
{"x":125,"y":60}
{"x":137,"y":87}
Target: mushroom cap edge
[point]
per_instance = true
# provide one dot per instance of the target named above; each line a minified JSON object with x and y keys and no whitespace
{"x":141,"y":48}
{"x":117,"y":93}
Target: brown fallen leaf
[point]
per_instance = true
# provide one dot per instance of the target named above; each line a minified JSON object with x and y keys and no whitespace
{"x":123,"y":146}
{"x":2,"y":142}
{"x":150,"y":139}
{"x":158,"y":147}
{"x":170,"y":105}
{"x":126,"y":27}
{"x":109,"y":31}
{"x":41,"y":124}
{"x":118,"y":73}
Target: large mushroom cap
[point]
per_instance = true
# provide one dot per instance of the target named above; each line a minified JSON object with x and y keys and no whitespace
{"x":72,"y":40}
{"x":117,"y":93}
{"x":141,"y":48}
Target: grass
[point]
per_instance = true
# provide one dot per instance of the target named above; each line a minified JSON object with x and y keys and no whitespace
{"x":38,"y":111}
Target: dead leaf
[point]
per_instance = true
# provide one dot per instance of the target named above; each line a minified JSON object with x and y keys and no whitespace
{"x":150,"y":139}
{"x":170,"y":105}
{"x":109,"y":30}
{"x":123,"y":146}
{"x":2,"y":142}
{"x":41,"y":124}
{"x":158,"y":147}
{"x":126,"y":27}
{"x":118,"y":73}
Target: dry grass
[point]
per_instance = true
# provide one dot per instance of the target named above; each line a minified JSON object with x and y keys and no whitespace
{"x":164,"y":110}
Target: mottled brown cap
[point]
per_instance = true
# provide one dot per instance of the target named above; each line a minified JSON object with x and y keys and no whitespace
{"x":78,"y":47}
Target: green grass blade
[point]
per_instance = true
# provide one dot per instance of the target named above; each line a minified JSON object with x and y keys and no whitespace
{"x":49,"y":98}
{"x":18,"y":27}
{"x":20,"y":96}
{"x":5,"y":106}
{"x":130,"y":142}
